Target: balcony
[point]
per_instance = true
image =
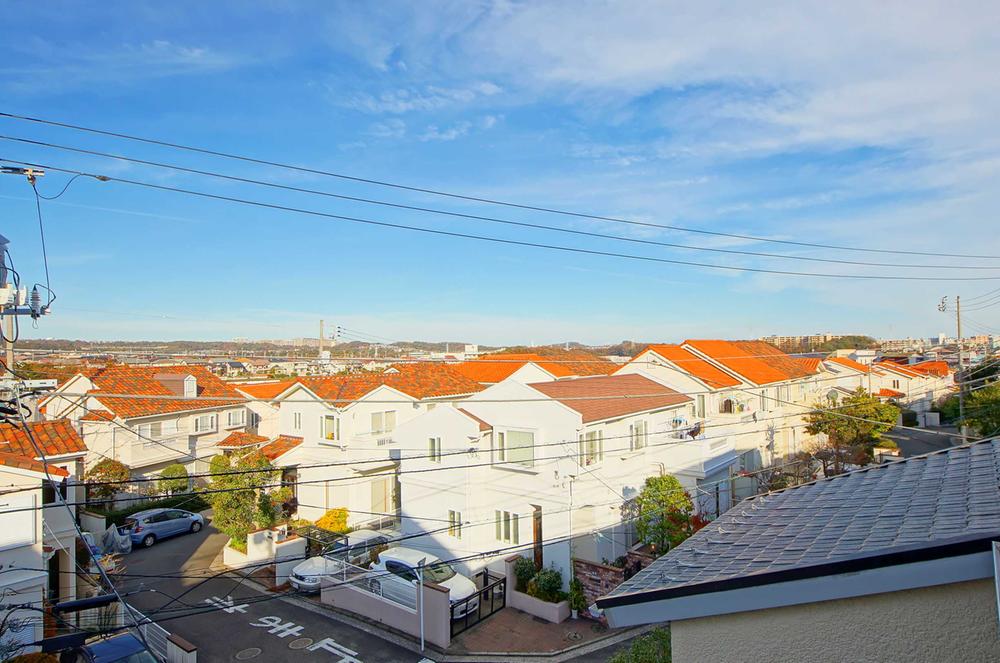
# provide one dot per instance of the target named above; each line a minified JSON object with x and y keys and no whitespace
{"x":156,"y":450}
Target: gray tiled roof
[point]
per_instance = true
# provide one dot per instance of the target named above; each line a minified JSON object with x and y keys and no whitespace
{"x":913,"y":503}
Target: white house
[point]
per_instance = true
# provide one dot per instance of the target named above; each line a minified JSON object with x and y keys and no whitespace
{"x":37,"y":532}
{"x":150,"y":417}
{"x":550,"y":469}
{"x":347,"y":423}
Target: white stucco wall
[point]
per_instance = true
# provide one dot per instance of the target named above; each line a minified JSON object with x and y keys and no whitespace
{"x":956,"y":622}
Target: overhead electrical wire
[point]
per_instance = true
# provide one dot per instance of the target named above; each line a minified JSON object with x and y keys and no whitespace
{"x":431,"y":210}
{"x":495,"y":240}
{"x":469,"y":198}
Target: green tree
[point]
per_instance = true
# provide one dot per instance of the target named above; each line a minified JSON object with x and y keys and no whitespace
{"x":665,"y":513}
{"x":107,"y":471}
{"x":982,"y":410}
{"x":653,"y":647}
{"x":852,"y":427}
{"x":243,"y":502}
{"x":174,"y":479}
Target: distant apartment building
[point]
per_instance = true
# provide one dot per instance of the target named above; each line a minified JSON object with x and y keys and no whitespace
{"x":902,"y":345}
{"x":150,"y":417}
{"x":808,"y":341}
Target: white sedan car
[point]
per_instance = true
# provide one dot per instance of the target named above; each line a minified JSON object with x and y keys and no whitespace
{"x":355,"y":548}
{"x":395,"y":575}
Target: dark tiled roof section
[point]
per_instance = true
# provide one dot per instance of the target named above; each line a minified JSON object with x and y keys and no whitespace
{"x":914,"y":503}
{"x":625,"y":395}
{"x":56,"y":438}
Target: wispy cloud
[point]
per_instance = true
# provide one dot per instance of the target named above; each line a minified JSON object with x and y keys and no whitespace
{"x":428,"y":98}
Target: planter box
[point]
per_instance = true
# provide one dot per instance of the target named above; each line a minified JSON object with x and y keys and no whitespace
{"x":234,"y":559}
{"x":555,"y":613}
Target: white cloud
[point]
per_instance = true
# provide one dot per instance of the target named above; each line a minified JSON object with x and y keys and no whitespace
{"x":425,"y":99}
{"x":450,"y":133}
{"x":391,"y":128}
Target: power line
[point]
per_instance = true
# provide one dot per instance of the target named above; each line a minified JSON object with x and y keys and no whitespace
{"x":431,"y":210}
{"x":499,"y":240}
{"x":477,"y":199}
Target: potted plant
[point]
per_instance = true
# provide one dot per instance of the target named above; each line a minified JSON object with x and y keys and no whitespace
{"x":577,"y":601}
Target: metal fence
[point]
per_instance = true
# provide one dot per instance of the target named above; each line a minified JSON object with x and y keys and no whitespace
{"x":491,"y":598}
{"x":155,"y":635}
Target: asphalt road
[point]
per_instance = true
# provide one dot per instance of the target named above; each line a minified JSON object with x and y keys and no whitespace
{"x":915,"y":442}
{"x":253,"y":625}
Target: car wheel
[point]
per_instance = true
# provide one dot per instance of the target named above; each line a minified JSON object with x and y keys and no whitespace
{"x":195,"y":527}
{"x":148,"y":541}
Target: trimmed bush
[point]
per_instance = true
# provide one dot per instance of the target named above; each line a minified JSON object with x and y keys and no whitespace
{"x":334,"y":520}
{"x":108,"y":470}
{"x":547,"y":586}
{"x":524,"y":571}
{"x":653,"y":647}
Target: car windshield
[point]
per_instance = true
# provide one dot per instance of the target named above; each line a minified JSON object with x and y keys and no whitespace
{"x":439,"y":572}
{"x":337,"y":548}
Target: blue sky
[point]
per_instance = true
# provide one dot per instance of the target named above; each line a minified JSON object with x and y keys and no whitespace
{"x":848,"y":125}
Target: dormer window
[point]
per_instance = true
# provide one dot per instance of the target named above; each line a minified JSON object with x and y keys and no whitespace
{"x":190,"y":386}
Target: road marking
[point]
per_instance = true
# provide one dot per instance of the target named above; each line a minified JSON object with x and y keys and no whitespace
{"x":279,"y":628}
{"x":330,"y":645}
{"x":227,"y":604}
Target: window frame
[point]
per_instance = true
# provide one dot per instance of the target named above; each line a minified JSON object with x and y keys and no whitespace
{"x":434,"y":449}
{"x":508,"y":448}
{"x":213,"y":424}
{"x":586,"y":458}
{"x":454,"y":523}
{"x":638,"y":437}
{"x":324,"y":428}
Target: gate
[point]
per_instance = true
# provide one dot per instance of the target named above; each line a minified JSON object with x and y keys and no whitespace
{"x":491,"y":597}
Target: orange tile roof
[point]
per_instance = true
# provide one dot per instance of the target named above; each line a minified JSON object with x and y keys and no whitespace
{"x":758,"y":362}
{"x":932,"y":367}
{"x":142,"y":380}
{"x":267,"y":390}
{"x":494,"y":368}
{"x":56,"y":438}
{"x":20,"y":462}
{"x":899,"y":368}
{"x":483,"y":426}
{"x":890,"y":393}
{"x":418,"y":380}
{"x":691,"y":363}
{"x":810,"y":364}
{"x":97,"y":415}
{"x":241,"y":439}
{"x":610,"y":396}
{"x":279,"y":446}
{"x":847,"y":362}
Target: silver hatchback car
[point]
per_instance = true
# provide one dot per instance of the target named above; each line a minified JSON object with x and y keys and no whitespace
{"x":147,"y":527}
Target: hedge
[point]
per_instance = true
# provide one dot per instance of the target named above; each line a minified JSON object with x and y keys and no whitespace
{"x":188,"y":502}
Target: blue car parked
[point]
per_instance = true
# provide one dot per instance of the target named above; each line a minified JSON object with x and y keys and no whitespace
{"x":124,"y":648}
{"x":147,"y":527}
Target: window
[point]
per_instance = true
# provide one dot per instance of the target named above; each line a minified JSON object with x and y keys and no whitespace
{"x":204,"y":423}
{"x":297,"y":420}
{"x":236,"y":417}
{"x":591,"y":448}
{"x":434,"y":449}
{"x":383,"y":422}
{"x":726,"y":406}
{"x":763,"y":399}
{"x":701,"y":406}
{"x":520,"y":447}
{"x":401,"y":570}
{"x":455,"y":524}
{"x":506,"y":527}
{"x":330,"y":426}
{"x":895,"y":384}
{"x":158,"y":430}
{"x":500,"y":450}
{"x":637,"y":435}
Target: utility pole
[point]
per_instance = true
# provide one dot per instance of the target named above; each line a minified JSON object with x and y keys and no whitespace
{"x":961,"y":366}
{"x":320,"y":338}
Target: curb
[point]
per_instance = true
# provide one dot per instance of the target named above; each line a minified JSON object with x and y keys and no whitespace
{"x":433,"y":654}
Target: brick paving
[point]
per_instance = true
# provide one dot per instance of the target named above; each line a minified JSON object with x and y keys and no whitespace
{"x":512,"y":630}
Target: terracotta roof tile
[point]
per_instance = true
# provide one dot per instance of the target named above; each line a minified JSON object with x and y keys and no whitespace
{"x":691,"y":363}
{"x":758,"y":362}
{"x":810,"y":364}
{"x":142,"y":380}
{"x":56,"y":438}
{"x":899,"y":368}
{"x":483,"y":426}
{"x":937,"y":368}
{"x":419,"y":380}
{"x":626,"y":394}
{"x":241,"y":439}
{"x":97,"y":415}
{"x":279,"y":446}
{"x":269,"y":389}
{"x":849,"y":363}
{"x":890,"y":393}
{"x":20,"y":462}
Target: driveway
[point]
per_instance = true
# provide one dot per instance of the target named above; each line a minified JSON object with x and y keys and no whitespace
{"x":250,"y":624}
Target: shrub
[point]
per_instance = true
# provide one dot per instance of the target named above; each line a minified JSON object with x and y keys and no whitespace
{"x":547,"y":585}
{"x":174,"y":479}
{"x":334,"y":520}
{"x":219,"y":464}
{"x":265,"y":515}
{"x":577,"y":601}
{"x":524,"y":571}
{"x":886,"y":444}
{"x":108,"y":470}
{"x":653,"y":647}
